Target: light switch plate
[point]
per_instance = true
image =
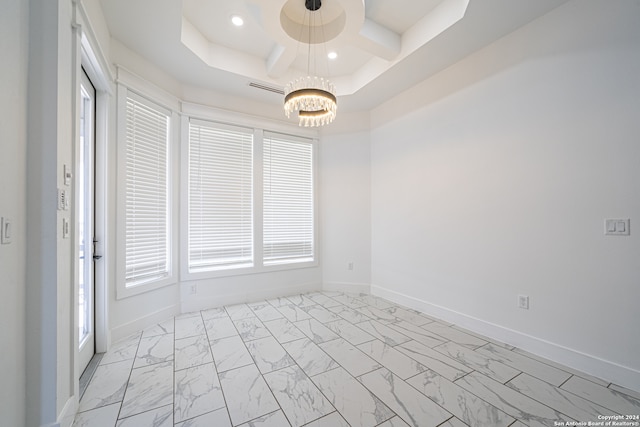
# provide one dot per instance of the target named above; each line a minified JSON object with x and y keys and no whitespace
{"x":63,"y":199}
{"x":617,"y":227}
{"x":67,"y":175}
{"x":65,"y":228}
{"x":6,"y":230}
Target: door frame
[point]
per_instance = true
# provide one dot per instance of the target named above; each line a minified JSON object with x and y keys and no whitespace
{"x":89,"y":56}
{"x":101,"y":229}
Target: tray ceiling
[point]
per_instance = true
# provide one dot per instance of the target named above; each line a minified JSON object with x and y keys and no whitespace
{"x":384,"y":47}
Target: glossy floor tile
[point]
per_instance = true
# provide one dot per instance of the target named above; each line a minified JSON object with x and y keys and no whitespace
{"x":293,"y":313}
{"x":269,"y":355}
{"x":192,"y":351}
{"x":230,"y":353}
{"x":163,"y":328}
{"x":153,"y":350}
{"x":466,"y":406}
{"x":418,"y":333}
{"x":349,"y":314}
{"x":107,"y":385}
{"x":247,"y":394}
{"x":331,"y":359}
{"x":531,"y":412}
{"x":283,"y":330}
{"x":349,"y":332}
{"x":197,"y":392}
{"x":321,"y":314}
{"x":407,"y":402}
{"x":239,"y":311}
{"x":619,"y":402}
{"x":316,"y":331}
{"x":300,"y":399}
{"x":443,"y":365}
{"x":540,"y":370}
{"x":563,"y":401}
{"x":349,"y":357}
{"x":311,"y":358}
{"x":383,"y":332}
{"x":474,"y":360}
{"x":392,"y":359}
{"x":356,"y":404}
{"x":150,"y":387}
{"x":251,"y":328}
{"x":160,"y":417}
{"x":221,"y":327}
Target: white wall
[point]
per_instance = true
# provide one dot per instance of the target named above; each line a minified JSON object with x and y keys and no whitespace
{"x":345,"y":194}
{"x":493,"y":179}
{"x":49,"y":297}
{"x":221,"y":291}
{"x":97,"y":26}
{"x":14,"y":37}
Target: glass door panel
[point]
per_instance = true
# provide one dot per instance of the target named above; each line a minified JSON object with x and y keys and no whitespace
{"x":85,"y":203}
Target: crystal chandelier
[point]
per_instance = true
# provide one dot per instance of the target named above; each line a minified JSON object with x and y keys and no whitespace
{"x":312,"y":97}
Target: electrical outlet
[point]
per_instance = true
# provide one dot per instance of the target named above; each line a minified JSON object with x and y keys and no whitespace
{"x":523,"y":302}
{"x":193,"y":289}
{"x":350,"y":266}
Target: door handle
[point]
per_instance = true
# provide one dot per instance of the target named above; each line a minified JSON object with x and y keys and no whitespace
{"x":95,"y":257}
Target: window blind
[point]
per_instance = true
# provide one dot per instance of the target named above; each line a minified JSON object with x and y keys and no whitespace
{"x":147,"y":216}
{"x":220,"y":227}
{"x":288,"y":200}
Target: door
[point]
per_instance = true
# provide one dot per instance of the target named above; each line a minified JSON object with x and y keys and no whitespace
{"x":85,"y":181}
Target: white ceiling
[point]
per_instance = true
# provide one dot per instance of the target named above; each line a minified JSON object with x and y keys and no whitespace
{"x":384,"y":46}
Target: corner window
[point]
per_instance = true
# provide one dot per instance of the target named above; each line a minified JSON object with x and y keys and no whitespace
{"x":147,"y":212}
{"x":144,"y":194}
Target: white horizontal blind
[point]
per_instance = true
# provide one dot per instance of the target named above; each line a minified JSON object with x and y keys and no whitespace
{"x":288,"y":198}
{"x":220,"y":197}
{"x":147,"y":216}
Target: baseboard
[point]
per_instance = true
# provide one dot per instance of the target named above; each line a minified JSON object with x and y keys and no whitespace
{"x":68,"y":414}
{"x":353,"y":288}
{"x":592,"y":365}
{"x":206,"y":302}
{"x":143,"y":322}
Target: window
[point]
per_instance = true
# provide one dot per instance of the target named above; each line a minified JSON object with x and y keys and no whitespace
{"x":288,"y":200}
{"x":220,"y":197}
{"x":147,"y":228}
{"x":248,"y":200}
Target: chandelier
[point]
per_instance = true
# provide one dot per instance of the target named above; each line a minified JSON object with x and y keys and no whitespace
{"x":312,"y":97}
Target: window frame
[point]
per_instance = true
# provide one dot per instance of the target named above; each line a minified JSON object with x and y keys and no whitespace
{"x":123,"y":93}
{"x":187,"y":217}
{"x":290,"y":139}
{"x":260,"y":126}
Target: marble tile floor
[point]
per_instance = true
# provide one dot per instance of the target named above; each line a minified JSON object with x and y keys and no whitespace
{"x":329,"y":359}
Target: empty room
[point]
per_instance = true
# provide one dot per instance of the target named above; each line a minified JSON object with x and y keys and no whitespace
{"x":320,"y":213}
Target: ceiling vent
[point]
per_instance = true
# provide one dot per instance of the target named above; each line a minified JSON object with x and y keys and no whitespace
{"x":273,"y":89}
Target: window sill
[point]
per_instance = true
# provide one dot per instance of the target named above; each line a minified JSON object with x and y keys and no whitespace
{"x":246,"y":271}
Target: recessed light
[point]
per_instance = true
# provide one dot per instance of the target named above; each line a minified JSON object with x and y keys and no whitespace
{"x":237,"y":20}
{"x":332,"y":55}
